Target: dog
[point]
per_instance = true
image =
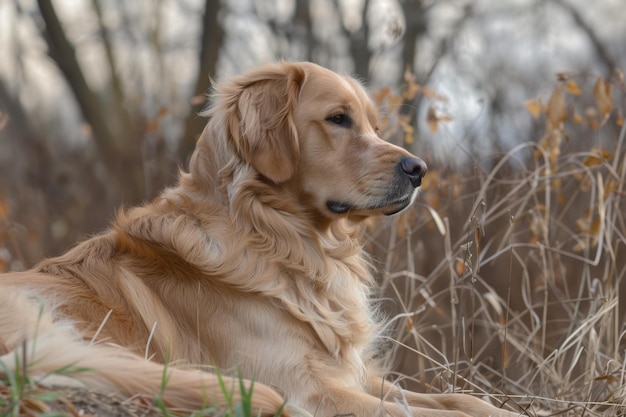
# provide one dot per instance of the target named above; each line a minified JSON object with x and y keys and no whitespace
{"x":251,"y":262}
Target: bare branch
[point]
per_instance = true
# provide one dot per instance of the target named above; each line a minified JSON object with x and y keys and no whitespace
{"x":108,"y":48}
{"x":211,"y":42}
{"x":63,"y":53}
{"x":603,"y":53}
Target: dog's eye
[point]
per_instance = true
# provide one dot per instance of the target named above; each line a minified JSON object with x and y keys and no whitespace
{"x":340,"y":119}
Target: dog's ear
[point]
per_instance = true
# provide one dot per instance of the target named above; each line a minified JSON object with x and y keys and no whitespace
{"x":260,"y":118}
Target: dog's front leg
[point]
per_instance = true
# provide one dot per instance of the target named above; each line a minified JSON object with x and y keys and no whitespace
{"x":341,"y":401}
{"x":388,"y":392}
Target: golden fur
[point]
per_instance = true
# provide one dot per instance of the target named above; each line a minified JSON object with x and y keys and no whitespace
{"x":251,"y":262}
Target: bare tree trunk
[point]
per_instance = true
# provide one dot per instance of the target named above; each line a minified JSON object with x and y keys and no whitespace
{"x":416,"y":15}
{"x":603,"y":53}
{"x":63,"y":53}
{"x":211,"y":42}
{"x":359,"y":46}
{"x":118,"y":144}
{"x":303,"y":16}
{"x":416,"y":26}
{"x":118,"y":88}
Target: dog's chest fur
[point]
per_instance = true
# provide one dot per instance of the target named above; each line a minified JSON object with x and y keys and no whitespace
{"x":317,"y":289}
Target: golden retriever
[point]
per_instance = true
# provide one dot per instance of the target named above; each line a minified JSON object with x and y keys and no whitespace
{"x":250,"y":263}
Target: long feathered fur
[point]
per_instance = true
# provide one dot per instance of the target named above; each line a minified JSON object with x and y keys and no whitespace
{"x":56,"y":353}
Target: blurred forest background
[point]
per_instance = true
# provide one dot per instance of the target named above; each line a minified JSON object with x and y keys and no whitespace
{"x":99,"y":97}
{"x":516,"y":245}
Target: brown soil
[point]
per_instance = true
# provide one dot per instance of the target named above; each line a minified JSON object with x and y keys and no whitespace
{"x":74,"y":402}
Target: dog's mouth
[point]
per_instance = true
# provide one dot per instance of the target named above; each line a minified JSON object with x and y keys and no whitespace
{"x":386,"y":208}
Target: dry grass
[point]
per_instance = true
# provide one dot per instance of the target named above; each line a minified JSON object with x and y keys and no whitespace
{"x":507,"y":283}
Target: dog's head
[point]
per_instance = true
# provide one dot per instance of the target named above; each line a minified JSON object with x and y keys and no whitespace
{"x":313,"y":135}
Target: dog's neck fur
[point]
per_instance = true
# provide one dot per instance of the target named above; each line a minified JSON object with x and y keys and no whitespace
{"x":314,"y":278}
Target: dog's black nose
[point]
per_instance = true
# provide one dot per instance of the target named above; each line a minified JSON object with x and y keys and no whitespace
{"x":414,"y":169}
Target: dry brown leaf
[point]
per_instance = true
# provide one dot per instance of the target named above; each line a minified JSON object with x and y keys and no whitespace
{"x":459,"y":267}
{"x":395,"y":101}
{"x":4,"y":120}
{"x":602,"y":95}
{"x":576,"y":117}
{"x":579,"y":247}
{"x":534,"y":107}
{"x":597,"y":156}
{"x":411,"y":91}
{"x":432,"y":94}
{"x":609,"y":188}
{"x":609,"y":378}
{"x":594,"y":228}
{"x":4,"y":209}
{"x":551,"y":143}
{"x":381,"y":95}
{"x":592,"y":160}
{"x":432,"y":120}
{"x":605,"y":153}
{"x":556,"y":110}
{"x":572,"y":88}
{"x":407,"y":128}
{"x":408,"y":134}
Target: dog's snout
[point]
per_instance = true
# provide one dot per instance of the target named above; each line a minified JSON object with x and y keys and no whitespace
{"x":414,"y":169}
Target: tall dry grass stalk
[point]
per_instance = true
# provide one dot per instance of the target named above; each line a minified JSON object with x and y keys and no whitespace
{"x":508,"y":283}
